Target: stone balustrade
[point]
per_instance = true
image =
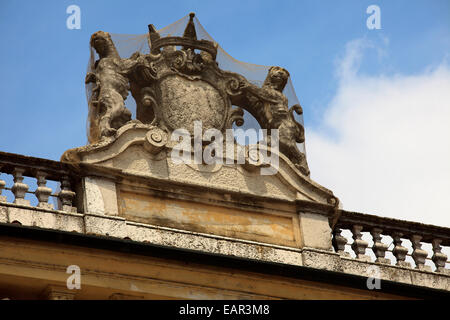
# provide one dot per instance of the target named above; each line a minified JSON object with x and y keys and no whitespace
{"x":19,"y":167}
{"x":392,"y":237}
{"x":356,"y":237}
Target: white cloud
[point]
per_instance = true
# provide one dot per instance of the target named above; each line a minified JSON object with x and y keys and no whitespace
{"x":384,"y":144}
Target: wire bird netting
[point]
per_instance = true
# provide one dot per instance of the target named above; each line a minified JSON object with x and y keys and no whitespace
{"x":128,"y":44}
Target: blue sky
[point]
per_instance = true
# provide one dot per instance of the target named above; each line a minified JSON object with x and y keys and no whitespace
{"x":43,"y":64}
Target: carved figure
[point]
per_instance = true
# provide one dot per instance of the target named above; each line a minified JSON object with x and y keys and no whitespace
{"x":270,"y":108}
{"x":108,"y":112}
{"x":279,"y":116}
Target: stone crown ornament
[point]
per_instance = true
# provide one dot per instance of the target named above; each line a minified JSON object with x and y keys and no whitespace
{"x":189,"y":39}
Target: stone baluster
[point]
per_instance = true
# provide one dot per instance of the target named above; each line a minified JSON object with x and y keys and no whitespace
{"x":19,"y":189}
{"x":339,"y":243}
{"x":419,"y":255}
{"x":439,"y":258}
{"x":2,"y":186}
{"x":400,"y":251}
{"x":359,"y":246}
{"x":66,"y":195}
{"x":379,"y":248}
{"x":43,"y":192}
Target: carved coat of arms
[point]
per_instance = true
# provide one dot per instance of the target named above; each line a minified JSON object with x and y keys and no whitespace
{"x":179,"y":82}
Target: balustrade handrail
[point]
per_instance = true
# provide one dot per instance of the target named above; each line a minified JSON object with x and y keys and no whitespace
{"x":20,"y":166}
{"x":389,"y":226}
{"x":54,"y":170}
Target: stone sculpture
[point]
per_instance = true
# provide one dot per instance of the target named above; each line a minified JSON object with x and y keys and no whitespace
{"x":107,"y":108}
{"x":175,"y":87}
{"x":270,"y":108}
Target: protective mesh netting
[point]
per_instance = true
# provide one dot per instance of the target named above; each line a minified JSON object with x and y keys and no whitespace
{"x":127,"y":44}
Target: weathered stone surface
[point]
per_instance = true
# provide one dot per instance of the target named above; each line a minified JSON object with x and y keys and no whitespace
{"x":270,"y":107}
{"x":174,"y":88}
{"x":3,"y":215}
{"x":369,"y":269}
{"x":185,"y":101}
{"x":212,"y":244}
{"x":43,"y":192}
{"x":106,"y":272}
{"x":100,"y":196}
{"x":44,"y":205}
{"x":47,"y":219}
{"x":128,"y":154}
{"x":310,"y":257}
{"x":2,"y":186}
{"x":321,"y":260}
{"x":107,"y":110}
{"x":394,"y":274}
{"x":315,"y":231}
{"x":431,"y":280}
{"x":105,"y":225}
{"x":21,"y":215}
{"x":268,"y":227}
{"x":232,"y":179}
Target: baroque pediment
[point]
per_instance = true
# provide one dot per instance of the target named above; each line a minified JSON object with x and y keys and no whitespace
{"x":186,"y":110}
{"x":145,"y":151}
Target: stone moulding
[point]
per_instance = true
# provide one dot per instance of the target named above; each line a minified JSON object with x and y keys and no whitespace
{"x":253,"y":250}
{"x":309,"y":227}
{"x":118,"y":153}
{"x":226,"y":200}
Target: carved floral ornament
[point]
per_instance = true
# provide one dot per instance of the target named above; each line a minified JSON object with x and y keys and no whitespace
{"x":179,"y":83}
